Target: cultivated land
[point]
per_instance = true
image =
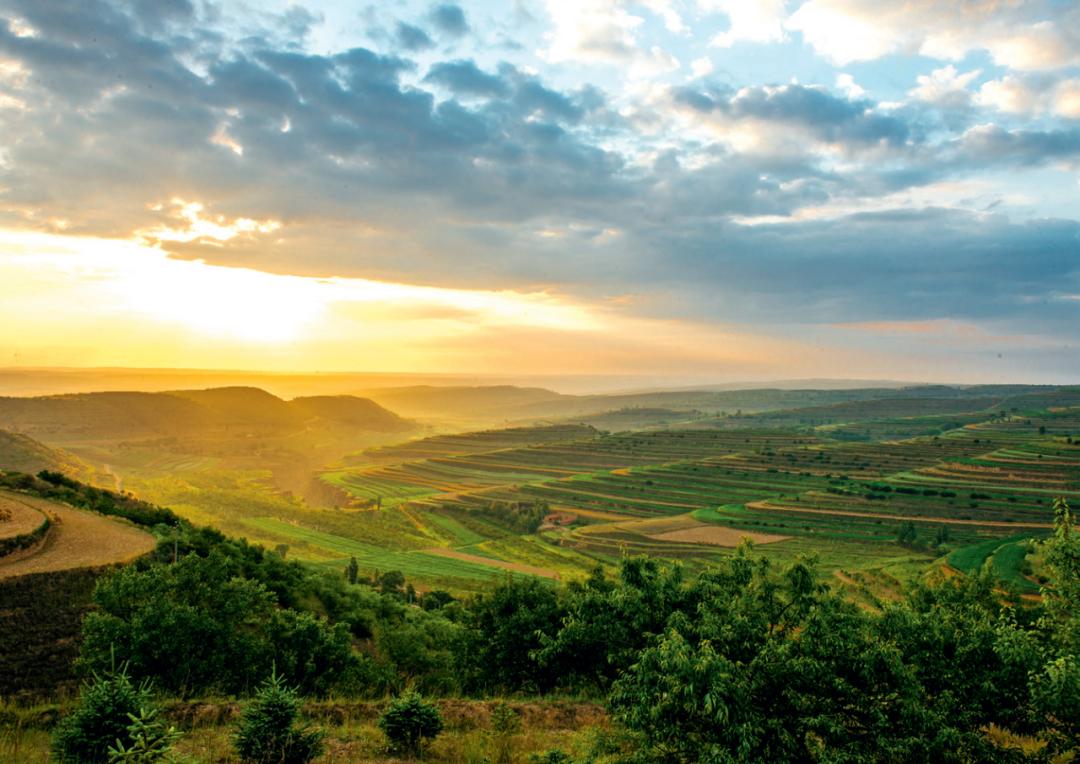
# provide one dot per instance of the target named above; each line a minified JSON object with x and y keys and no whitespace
{"x":18,"y":516}
{"x":75,"y":539}
{"x":832,"y":473}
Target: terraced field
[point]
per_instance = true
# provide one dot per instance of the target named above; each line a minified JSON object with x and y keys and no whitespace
{"x":973,"y":481}
{"x":435,"y":479}
{"x":18,"y":517}
{"x":455,"y":511}
{"x":76,"y":539}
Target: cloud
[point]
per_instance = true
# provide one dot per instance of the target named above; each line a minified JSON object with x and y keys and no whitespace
{"x":759,"y":22}
{"x":1035,"y":35}
{"x":990,"y":143}
{"x":449,"y":19}
{"x":361,"y":162}
{"x":591,"y":30}
{"x":825,"y":116}
{"x":412,"y":38}
{"x":1032,"y":96}
{"x":464,"y":78}
{"x":945,"y":87}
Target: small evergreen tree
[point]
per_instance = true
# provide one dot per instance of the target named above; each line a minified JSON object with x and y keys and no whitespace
{"x":268,"y":734}
{"x":150,"y":740}
{"x":102,"y":719}
{"x":408,"y":722}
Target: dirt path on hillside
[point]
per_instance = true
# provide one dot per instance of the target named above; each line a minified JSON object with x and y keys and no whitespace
{"x":516,"y":567}
{"x":79,"y":539}
{"x":558,"y":486}
{"x":765,"y":506}
{"x":716,"y":535}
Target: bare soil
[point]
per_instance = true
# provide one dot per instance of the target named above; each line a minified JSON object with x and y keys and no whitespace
{"x":79,"y":539}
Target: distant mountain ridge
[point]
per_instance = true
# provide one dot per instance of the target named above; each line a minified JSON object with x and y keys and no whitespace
{"x":186,"y":412}
{"x":510,"y":403}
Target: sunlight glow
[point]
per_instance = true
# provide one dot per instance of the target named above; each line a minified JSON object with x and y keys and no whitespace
{"x":142,"y":282}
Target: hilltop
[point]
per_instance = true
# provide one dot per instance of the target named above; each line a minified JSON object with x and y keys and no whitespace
{"x":113,"y":415}
{"x":507,"y":403}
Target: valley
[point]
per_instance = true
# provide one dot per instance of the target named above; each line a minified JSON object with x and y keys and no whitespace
{"x":325,"y":479}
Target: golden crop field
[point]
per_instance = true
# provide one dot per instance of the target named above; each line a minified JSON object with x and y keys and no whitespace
{"x":77,"y":539}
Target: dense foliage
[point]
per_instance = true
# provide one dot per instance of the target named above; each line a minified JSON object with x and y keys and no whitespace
{"x":196,"y":625}
{"x":742,"y":662}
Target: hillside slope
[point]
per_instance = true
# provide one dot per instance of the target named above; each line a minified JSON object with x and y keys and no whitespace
{"x":350,"y":410}
{"x":21,"y":453}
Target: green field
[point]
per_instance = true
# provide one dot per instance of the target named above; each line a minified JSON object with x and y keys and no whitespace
{"x":837,"y":481}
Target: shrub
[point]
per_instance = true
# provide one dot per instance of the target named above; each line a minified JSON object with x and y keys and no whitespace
{"x":101,"y":720}
{"x":554,"y":756}
{"x":268,"y":733}
{"x":505,"y":723}
{"x":408,"y":722}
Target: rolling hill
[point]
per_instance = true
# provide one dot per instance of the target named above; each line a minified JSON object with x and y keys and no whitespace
{"x":230,"y":410}
{"x":506,"y":403}
{"x":352,"y":411}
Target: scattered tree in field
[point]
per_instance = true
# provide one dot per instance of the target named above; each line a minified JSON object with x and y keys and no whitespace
{"x":409,"y":723}
{"x":505,"y":723}
{"x":352,"y":572}
{"x":268,"y":732}
{"x":151,"y":741}
{"x":907,"y":534}
{"x":101,"y":720}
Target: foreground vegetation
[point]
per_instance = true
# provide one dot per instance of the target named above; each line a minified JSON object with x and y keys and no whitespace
{"x":743,"y":661}
{"x":776,"y":586}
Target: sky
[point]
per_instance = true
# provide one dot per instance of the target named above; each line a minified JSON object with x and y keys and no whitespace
{"x":707,"y":190}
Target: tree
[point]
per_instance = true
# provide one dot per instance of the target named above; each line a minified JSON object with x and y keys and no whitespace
{"x":197,"y":626}
{"x":769,"y":667}
{"x":102,"y":719}
{"x":150,"y":740}
{"x":409,"y":722}
{"x":907,"y":533}
{"x":352,"y":572}
{"x":608,"y":622}
{"x":1055,"y":686}
{"x":268,"y":733}
{"x":505,"y":630}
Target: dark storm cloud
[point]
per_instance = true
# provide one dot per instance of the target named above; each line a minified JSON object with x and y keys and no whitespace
{"x":509,"y":181}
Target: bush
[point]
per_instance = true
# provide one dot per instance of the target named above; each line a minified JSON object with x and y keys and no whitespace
{"x":102,"y":719}
{"x":505,"y":723}
{"x":268,"y":734}
{"x":554,"y":756}
{"x":408,"y":722}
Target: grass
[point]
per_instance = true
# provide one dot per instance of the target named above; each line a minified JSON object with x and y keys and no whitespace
{"x":352,"y":734}
{"x":750,"y":473}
